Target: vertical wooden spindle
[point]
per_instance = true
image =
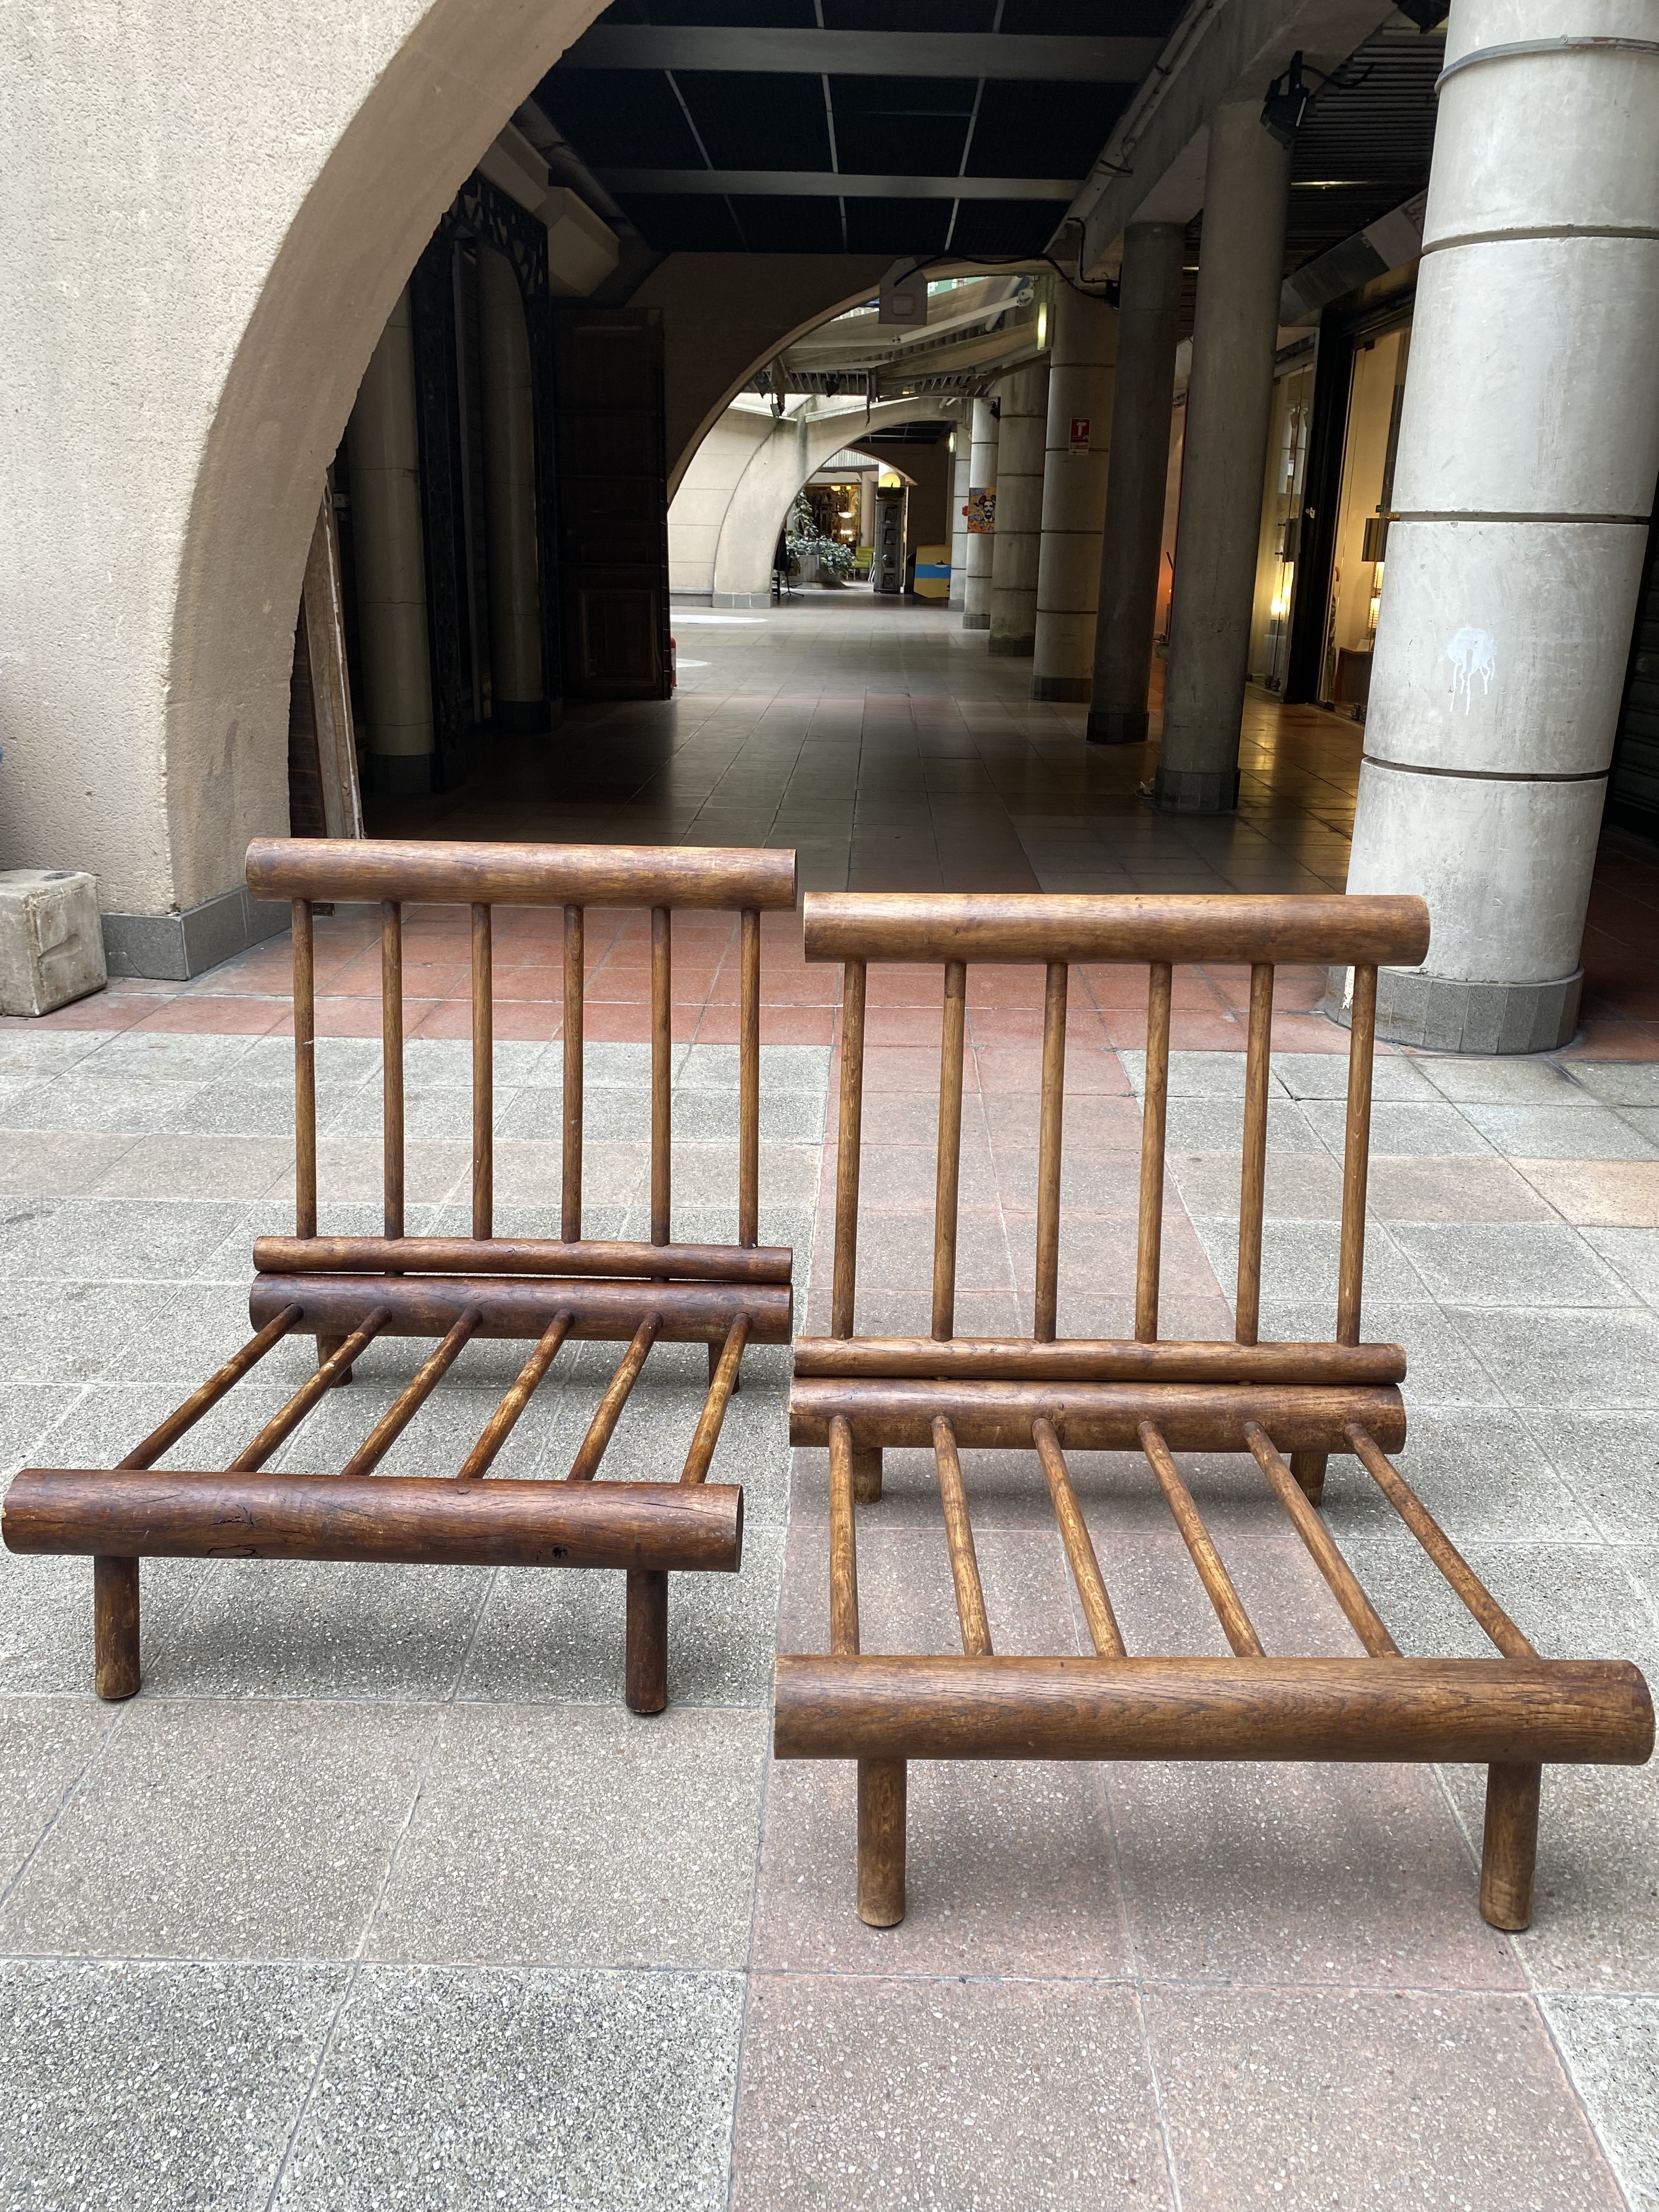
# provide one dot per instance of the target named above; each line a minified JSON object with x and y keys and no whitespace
{"x":305,"y":1072}
{"x":844,"y":1545}
{"x":948,"y":1173}
{"x":570,"y":1202}
{"x":748,"y":1079}
{"x":1154,"y":1112}
{"x":483,"y":1090}
{"x":662,"y":1040}
{"x":1356,"y":1156}
{"x":392,"y":1061}
{"x":1046,"y":1300}
{"x":1252,"y":1183}
{"x":850,"y":1136}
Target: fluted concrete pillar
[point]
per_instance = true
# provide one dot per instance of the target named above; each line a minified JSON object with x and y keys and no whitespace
{"x":383,"y":446}
{"x":1074,"y":468}
{"x":1020,"y":442}
{"x":961,"y":462}
{"x":1137,"y":478}
{"x":981,"y":543}
{"x":509,"y":484}
{"x":1229,"y":401}
{"x":1528,"y":444}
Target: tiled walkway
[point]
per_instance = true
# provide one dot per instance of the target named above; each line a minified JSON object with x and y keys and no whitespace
{"x":377,"y":1897}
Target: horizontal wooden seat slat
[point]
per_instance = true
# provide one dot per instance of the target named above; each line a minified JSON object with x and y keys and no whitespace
{"x":1456,"y":1569}
{"x":1505,"y":1710}
{"x":519,"y":1392}
{"x":606,"y":1310}
{"x":521,"y":1255}
{"x":1235,"y":1623}
{"x":388,"y":1519}
{"x":369,"y":869}
{"x":202,"y":1401}
{"x":409,"y":1401}
{"x":1093,"y":1359}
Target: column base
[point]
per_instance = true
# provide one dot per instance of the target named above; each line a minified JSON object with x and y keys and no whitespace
{"x":1110,"y":728}
{"x":976,"y":621}
{"x":1440,"y":1015}
{"x":1069,"y":688}
{"x":1013,"y":648}
{"x":1195,"y":791}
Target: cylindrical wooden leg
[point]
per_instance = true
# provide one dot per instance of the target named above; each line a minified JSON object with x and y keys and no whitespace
{"x":882,"y":1791}
{"x":1309,"y":1469}
{"x":115,"y":1627}
{"x":326,"y":1348}
{"x":714,"y":1351}
{"x":866,"y":1474}
{"x":1511,"y":1849}
{"x":646,"y":1666}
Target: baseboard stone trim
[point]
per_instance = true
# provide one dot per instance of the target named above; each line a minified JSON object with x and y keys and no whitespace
{"x":170,"y":948}
{"x":1437,"y":1013}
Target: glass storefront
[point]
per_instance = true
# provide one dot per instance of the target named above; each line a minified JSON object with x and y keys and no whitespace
{"x":1281,"y":523}
{"x":1372,"y":434}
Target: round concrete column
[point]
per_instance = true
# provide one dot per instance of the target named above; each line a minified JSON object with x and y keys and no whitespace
{"x":1137,"y":475}
{"x":1229,"y":401}
{"x":1528,"y":444}
{"x":1074,"y":495}
{"x":383,"y":446}
{"x":960,"y":470}
{"x":1020,"y":440}
{"x":509,"y":443}
{"x":982,"y":476}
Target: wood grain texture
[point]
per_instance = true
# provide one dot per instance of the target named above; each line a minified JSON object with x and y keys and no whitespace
{"x":850,"y":1136}
{"x":483,"y":1086}
{"x":115,"y":1671}
{"x":1457,"y":1569}
{"x":430,"y":1305}
{"x":959,"y":1542}
{"x":525,"y":1384}
{"x":276,"y":1325}
{"x":617,"y":1391}
{"x":409,"y":1401}
{"x":1102,"y":1359}
{"x":373,"y":869}
{"x":1596,"y":1711}
{"x":1103,"y":1631}
{"x":1095,"y":1416}
{"x":662,"y":1072}
{"x":392,"y":1519}
{"x":1345,"y":1585}
{"x":522,"y":1256}
{"x":883,"y":1793}
{"x":748,"y":1064}
{"x":1035,"y":927}
{"x":843,"y":1545}
{"x":1154,"y":1116}
{"x":576,"y":984}
{"x":1356,"y":1156}
{"x":283,"y":1423}
{"x":722,"y":1385}
{"x":645,"y":1663}
{"x":391,"y":1064}
{"x":305,"y":1072}
{"x":1253,"y":1185}
{"x":1235,"y":1623}
{"x":1509,"y":1851}
{"x":948,"y":1163}
{"x":1050,"y":1136}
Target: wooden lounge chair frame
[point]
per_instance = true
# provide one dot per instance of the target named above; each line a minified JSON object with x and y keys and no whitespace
{"x":1289,"y":1405}
{"x":346,"y":1291}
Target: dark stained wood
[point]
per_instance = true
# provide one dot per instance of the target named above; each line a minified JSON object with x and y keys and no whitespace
{"x":1432,"y":1537}
{"x":509,"y":1255}
{"x":1309,"y":1469}
{"x":948,"y":1167}
{"x":866,"y":1474}
{"x":283,"y":1424}
{"x":576,"y":984}
{"x":114,"y":1625}
{"x":484,"y":1089}
{"x":1509,"y":1851}
{"x":1356,"y":1156}
{"x":430,"y":1305}
{"x":305,"y":1072}
{"x":1153,"y":1117}
{"x":1235,"y":1624}
{"x":722,"y":1385}
{"x":843,"y":1545}
{"x":959,"y":1541}
{"x":1105,"y":1359}
{"x":1362,"y":1616}
{"x":1103,"y":1631}
{"x":848,"y":1144}
{"x":662,"y":1067}
{"x":608,"y":1412}
{"x":505,"y":1418}
{"x":1254,"y":1180}
{"x":276,"y":1326}
{"x":749,"y":988}
{"x":883,"y":1791}
{"x":1050,"y":1132}
{"x":1502,"y":1711}
{"x":398,"y":1415}
{"x":1093,"y":1416}
{"x":158,"y":1513}
{"x":373,"y":869}
{"x":645,"y":1687}
{"x":392,"y":1063}
{"x":1034,"y":928}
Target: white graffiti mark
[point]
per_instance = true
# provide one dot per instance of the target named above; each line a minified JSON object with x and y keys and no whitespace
{"x":1472,"y":652}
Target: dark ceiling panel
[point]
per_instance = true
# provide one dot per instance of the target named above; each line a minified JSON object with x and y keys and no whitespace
{"x":937,"y":15}
{"x":911,"y":126}
{"x":746,"y":14}
{"x":1043,"y":130}
{"x":625,"y":117}
{"x":1092,"y":19}
{"x":757,"y":122}
{"x":684,"y":224}
{"x":1000,"y":227}
{"x":917,"y":226}
{"x":789,"y":224}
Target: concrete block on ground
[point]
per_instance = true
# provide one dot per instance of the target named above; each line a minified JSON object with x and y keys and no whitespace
{"x":51,"y":943}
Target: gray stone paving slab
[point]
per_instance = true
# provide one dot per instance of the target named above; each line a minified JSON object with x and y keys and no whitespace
{"x":1481,"y":1471}
{"x":1611,"y":2045}
{"x":1612,"y":1462}
{"x":1299,"y":1261}
{"x":534,"y":2091}
{"x":126,"y":1240}
{"x":139,"y":2086}
{"x":1577,"y":1132}
{"x":1402,"y":1128}
{"x":46,"y":1619}
{"x":46,"y":1745}
{"x":1599,"y":1361}
{"x":1510,"y":1264}
{"x":250,"y":1828}
{"x":1633,"y":1255}
{"x":581,"y":1836}
{"x":1325,"y":1075}
{"x":1619,"y":1083}
{"x":1521,"y":1080}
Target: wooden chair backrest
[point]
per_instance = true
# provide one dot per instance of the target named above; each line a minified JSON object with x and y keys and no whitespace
{"x":1057,"y":931}
{"x":393,"y":875}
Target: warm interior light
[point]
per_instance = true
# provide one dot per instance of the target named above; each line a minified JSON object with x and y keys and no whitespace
{"x":1042,"y":323}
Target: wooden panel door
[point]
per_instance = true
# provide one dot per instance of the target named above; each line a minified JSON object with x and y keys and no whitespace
{"x":613,"y":503}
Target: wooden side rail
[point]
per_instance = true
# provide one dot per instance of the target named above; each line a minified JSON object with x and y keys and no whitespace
{"x":430,"y":1305}
{"x":370,"y":869}
{"x":1082,"y":1359}
{"x":509,"y":1255}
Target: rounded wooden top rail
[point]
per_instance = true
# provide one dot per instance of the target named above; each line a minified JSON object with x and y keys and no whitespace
{"x":1037,"y":927}
{"x":373,"y":869}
